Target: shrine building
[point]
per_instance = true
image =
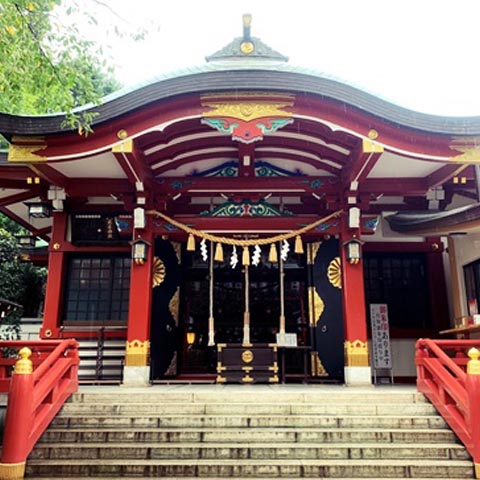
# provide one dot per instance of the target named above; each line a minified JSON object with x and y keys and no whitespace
{"x":235,"y":222}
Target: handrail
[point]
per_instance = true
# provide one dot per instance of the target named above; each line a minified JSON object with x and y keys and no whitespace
{"x":452,"y":384}
{"x":35,"y":396}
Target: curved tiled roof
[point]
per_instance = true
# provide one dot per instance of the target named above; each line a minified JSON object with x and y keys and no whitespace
{"x":251,"y":74}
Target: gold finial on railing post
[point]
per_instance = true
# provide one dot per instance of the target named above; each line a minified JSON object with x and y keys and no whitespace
{"x":473,"y":365}
{"x":24,"y":366}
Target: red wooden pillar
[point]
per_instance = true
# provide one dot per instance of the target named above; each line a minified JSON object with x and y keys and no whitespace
{"x":357,"y":363}
{"x":55,"y":280}
{"x":137,"y":353}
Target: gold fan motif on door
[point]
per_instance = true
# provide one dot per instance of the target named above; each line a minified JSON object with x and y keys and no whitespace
{"x":158,"y":272}
{"x":334,"y":272}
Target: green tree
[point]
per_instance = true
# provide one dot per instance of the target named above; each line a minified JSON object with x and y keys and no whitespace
{"x":20,"y":282}
{"x":46,"y":66}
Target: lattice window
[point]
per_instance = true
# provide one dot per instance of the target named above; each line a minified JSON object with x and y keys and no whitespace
{"x":97,"y":288}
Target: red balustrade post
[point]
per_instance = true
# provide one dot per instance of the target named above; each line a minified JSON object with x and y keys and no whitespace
{"x":19,"y":419}
{"x":473,"y":392}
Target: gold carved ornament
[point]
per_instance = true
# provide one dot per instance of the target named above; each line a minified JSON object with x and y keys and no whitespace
{"x":317,"y":306}
{"x":137,"y":353}
{"x":473,"y":365}
{"x":158,"y":272}
{"x":247,"y":356}
{"x":356,"y":354}
{"x":469,"y":147}
{"x":24,"y":366}
{"x":334,"y":272}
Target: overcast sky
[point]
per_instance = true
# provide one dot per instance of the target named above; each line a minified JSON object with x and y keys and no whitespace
{"x":421,"y":54}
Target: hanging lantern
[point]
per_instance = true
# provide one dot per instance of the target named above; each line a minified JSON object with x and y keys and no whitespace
{"x":191,"y":243}
{"x":245,"y":256}
{"x":140,"y":251}
{"x":272,"y":256}
{"x":190,"y":338}
{"x":298,"y":245}
{"x":219,"y":253}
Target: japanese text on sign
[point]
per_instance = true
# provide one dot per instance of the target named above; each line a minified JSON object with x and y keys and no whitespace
{"x":382,"y":356}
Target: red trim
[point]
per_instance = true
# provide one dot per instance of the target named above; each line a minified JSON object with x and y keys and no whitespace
{"x":35,"y":398}
{"x":55,"y":278}
{"x":353,"y":293}
{"x":454,"y":393}
{"x":140,"y":306}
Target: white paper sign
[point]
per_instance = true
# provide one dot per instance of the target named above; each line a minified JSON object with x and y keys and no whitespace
{"x":287,"y":340}
{"x":382,"y":355}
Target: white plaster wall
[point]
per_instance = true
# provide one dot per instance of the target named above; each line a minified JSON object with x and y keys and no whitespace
{"x":403,"y":357}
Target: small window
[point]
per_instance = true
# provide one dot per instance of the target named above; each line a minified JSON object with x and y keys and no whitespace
{"x":399,"y":280}
{"x":97,"y":289}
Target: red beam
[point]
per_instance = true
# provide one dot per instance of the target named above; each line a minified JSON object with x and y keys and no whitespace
{"x":394,"y":186}
{"x":50,"y":174}
{"x":134,"y":164}
{"x":204,"y":185}
{"x":359,"y":166}
{"x":20,"y":197}
{"x":443,"y":174}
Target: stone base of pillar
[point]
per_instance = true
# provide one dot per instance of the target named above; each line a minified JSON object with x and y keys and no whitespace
{"x":358,"y":376}
{"x":136,"y":376}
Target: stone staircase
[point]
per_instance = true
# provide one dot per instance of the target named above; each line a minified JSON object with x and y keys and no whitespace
{"x":249,"y":432}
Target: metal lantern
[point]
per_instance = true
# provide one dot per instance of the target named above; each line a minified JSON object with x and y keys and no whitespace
{"x":39,"y":209}
{"x":140,"y":251}
{"x":26,"y":241}
{"x":354,"y":250}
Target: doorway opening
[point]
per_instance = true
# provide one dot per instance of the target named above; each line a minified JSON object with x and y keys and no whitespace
{"x":195,"y":356}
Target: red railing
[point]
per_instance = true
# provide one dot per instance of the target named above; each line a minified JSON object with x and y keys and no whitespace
{"x":44,"y":379}
{"x":451,"y":381}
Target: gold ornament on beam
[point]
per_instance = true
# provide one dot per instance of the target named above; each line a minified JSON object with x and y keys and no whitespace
{"x":191,"y":243}
{"x":298,"y":245}
{"x":158,"y":272}
{"x":219,"y":253}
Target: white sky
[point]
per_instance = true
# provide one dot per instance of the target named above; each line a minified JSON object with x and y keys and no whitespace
{"x":421,"y":54}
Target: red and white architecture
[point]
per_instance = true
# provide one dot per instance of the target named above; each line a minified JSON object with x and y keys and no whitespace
{"x":247,"y":148}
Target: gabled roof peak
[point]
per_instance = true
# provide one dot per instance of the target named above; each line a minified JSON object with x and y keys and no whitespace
{"x":247,"y":48}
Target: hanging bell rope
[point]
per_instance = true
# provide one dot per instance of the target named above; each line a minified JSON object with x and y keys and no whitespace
{"x":211,"y":327}
{"x":246,"y":313}
{"x":244,"y":242}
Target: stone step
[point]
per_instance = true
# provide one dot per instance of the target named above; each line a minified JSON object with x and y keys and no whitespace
{"x":251,"y":421}
{"x":246,"y":435}
{"x":266,"y":451}
{"x":244,"y":478}
{"x":243,"y":394}
{"x":248,"y":409}
{"x":253,"y":468}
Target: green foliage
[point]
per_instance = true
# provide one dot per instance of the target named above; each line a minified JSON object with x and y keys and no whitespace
{"x":11,"y":226}
{"x":22,"y":283}
{"x":46,"y":66}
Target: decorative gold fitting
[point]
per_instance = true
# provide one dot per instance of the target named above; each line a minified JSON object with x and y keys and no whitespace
{"x":247,"y":369}
{"x":356,"y":354}
{"x":122,"y":134}
{"x":247,"y":379}
{"x":221,"y":379}
{"x":48,"y":333}
{"x":247,"y":356}
{"x":56,"y":246}
{"x":137,"y":353}
{"x":220,"y":367}
{"x":24,"y":366}
{"x":12,"y":471}
{"x":477,"y":470}
{"x":473,"y":365}
{"x":273,"y":379}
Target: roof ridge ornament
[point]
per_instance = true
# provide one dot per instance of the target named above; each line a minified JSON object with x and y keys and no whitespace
{"x":247,"y":47}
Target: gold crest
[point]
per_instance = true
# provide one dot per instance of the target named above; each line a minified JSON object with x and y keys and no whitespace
{"x":334,"y":272}
{"x":158,"y":272}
